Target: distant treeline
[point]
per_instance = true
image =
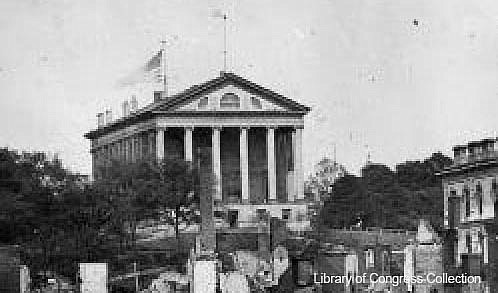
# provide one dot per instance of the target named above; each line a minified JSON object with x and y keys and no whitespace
{"x":381,"y":197}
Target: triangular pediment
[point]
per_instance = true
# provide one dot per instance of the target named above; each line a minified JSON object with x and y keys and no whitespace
{"x":229,"y":92}
{"x":230,"y":98}
{"x":241,"y":95}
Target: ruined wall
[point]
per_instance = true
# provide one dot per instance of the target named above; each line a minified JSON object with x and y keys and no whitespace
{"x":428,"y":259}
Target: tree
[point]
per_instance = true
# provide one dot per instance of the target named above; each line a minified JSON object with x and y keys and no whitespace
{"x":326,"y":172}
{"x":381,"y":197}
{"x":45,"y":212}
{"x":180,"y":186}
{"x":150,"y":189}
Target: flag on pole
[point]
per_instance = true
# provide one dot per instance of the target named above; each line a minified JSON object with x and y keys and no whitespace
{"x":150,"y":72}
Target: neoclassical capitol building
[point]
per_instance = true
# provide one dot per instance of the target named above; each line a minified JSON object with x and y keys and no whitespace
{"x":249,"y":136}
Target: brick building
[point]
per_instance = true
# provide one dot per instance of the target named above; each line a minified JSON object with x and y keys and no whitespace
{"x":470,"y":221}
{"x":249,"y":136}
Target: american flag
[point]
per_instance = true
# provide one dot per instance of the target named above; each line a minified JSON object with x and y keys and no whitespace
{"x":150,"y":72}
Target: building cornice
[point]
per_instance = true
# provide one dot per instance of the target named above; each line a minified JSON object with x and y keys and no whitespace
{"x":192,"y":114}
{"x":468,"y":167}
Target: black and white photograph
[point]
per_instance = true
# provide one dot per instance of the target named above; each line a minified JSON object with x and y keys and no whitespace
{"x":248,"y":146}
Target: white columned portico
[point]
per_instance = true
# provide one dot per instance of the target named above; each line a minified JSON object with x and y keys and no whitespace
{"x":299,"y":164}
{"x":160,"y":144}
{"x":244,"y":165}
{"x":215,"y":143}
{"x":272,"y":175}
{"x":188,"y":143}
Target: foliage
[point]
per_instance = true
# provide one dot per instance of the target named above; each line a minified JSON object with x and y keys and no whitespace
{"x":58,"y":223}
{"x":326,"y":172}
{"x":150,"y":189}
{"x":380,"y":197}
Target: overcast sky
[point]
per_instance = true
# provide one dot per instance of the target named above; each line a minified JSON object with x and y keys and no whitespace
{"x":401,"y":78}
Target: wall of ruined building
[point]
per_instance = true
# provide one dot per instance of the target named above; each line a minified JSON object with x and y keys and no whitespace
{"x":229,"y":242}
{"x":366,"y":238}
{"x":280,"y":262}
{"x":251,"y":263}
{"x":421,"y":260}
{"x":248,"y":213}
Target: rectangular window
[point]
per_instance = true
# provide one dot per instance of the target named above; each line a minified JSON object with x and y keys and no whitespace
{"x":230,"y":101}
{"x":478,"y":198}
{"x":469,"y":241}
{"x":453,"y":209}
{"x":466,"y":196}
{"x":261,"y":214}
{"x":369,"y":258}
{"x":286,"y":214}
{"x":233,"y":218}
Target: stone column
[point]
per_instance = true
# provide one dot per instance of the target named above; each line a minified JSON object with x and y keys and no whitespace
{"x":291,"y":196}
{"x":272,"y":174}
{"x":132,"y":148}
{"x":298,"y":167}
{"x":160,"y":144}
{"x":152,"y":138}
{"x":124,"y":150}
{"x":135,"y":148}
{"x":216,"y":163}
{"x":127,"y":142}
{"x":120,"y":150}
{"x":110,"y":151}
{"x":139,"y":146}
{"x":244,"y":165}
{"x":188,"y":143}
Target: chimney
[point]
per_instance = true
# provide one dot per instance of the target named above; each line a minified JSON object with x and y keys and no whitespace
{"x":108,"y":116}
{"x":157,"y":96}
{"x":460,"y":154}
{"x":100,"y":120}
{"x":126,"y":108}
{"x":134,"y":103}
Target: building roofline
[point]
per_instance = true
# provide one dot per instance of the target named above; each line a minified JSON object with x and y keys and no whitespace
{"x":161,"y":106}
{"x":458,"y":169}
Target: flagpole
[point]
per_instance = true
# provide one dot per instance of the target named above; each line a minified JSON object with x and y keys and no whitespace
{"x":164,"y":69}
{"x":225,"y":42}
